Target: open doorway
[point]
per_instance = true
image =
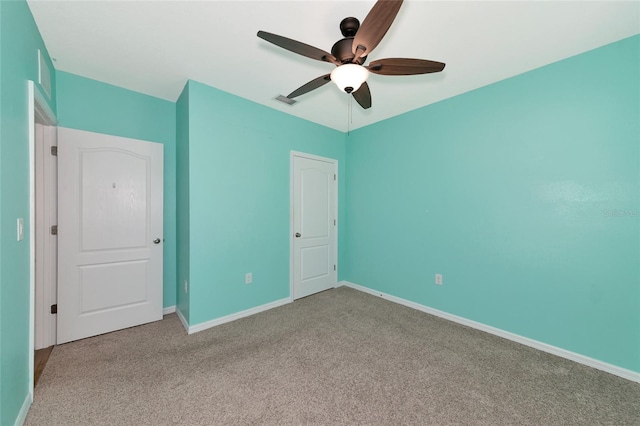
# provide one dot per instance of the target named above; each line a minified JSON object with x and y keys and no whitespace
{"x":42,"y":238}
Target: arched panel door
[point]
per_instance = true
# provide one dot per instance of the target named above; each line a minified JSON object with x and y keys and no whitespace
{"x":110,"y":241}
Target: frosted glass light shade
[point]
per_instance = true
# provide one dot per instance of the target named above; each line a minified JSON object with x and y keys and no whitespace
{"x":349,"y":77}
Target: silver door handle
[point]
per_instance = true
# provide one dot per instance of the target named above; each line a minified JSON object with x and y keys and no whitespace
{"x":156,"y":241}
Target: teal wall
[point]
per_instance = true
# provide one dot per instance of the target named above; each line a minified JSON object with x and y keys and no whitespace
{"x":1,"y":96}
{"x":523,"y":194}
{"x":90,"y":105}
{"x":239,"y":164}
{"x":19,"y":43}
{"x":182,"y":201}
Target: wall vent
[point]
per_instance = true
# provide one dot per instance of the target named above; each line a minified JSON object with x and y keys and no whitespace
{"x":44,"y":74}
{"x":285,"y":100}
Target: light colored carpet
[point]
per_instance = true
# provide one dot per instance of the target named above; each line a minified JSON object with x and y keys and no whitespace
{"x":338,"y":357}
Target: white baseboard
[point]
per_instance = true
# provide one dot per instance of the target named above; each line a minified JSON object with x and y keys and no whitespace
{"x":168,"y":310}
{"x":208,"y":324}
{"x":183,"y":320}
{"x":591,"y":362}
{"x":22,"y":414}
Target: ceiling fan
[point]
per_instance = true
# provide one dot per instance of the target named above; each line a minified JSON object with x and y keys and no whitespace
{"x":350,"y":53}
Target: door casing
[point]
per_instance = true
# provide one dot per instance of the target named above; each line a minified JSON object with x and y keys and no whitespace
{"x":46,"y":191}
{"x":38,"y":112}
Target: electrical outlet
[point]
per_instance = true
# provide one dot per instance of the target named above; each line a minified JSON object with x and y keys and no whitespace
{"x":186,"y":286}
{"x":248,"y":278}
{"x":439,"y":279}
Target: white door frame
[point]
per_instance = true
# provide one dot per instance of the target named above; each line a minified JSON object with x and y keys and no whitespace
{"x":38,"y":110}
{"x":291,"y":195}
{"x":46,"y":243}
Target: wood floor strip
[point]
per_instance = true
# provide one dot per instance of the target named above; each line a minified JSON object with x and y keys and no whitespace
{"x":40,"y":360}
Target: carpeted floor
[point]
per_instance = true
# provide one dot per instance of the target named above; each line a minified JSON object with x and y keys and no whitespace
{"x":338,"y":357}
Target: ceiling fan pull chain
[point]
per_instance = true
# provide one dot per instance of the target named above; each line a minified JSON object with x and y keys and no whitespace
{"x":349,"y":114}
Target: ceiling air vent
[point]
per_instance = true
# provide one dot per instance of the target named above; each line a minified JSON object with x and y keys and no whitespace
{"x":285,"y":100}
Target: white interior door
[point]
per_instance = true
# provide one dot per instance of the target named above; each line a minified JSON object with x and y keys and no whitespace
{"x":109,"y":233}
{"x":314,"y":224}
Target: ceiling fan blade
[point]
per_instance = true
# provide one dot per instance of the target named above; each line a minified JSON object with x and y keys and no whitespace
{"x":404,"y":66}
{"x":375,"y":26}
{"x":363,"y":96}
{"x":312,"y":85}
{"x":298,"y":47}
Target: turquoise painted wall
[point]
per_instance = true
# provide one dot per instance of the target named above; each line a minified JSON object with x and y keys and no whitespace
{"x":182,"y":201}
{"x":524,"y":194}
{"x":19,"y":43}
{"x":94,"y":106}
{"x":239,"y":159}
{"x":1,"y":95}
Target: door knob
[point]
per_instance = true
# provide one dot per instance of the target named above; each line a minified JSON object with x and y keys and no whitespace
{"x":298,"y":235}
{"x":156,"y":241}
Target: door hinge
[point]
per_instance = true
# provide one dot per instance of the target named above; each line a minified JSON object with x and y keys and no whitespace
{"x":334,"y":267}
{"x":334,"y":177}
{"x":54,"y":150}
{"x":54,"y":230}
{"x":334,"y":222}
{"x":54,"y":309}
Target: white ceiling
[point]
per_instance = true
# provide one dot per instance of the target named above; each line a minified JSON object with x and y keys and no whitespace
{"x":153,"y":47}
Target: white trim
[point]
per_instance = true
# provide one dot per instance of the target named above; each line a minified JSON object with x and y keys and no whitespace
{"x":168,"y":310}
{"x":572,"y":356}
{"x":334,"y":162}
{"x":50,"y":208}
{"x":182,"y":319}
{"x":228,"y":318}
{"x":39,"y":318}
{"x":44,"y":74}
{"x":48,"y":293}
{"x":46,"y":244}
{"x":31,"y":105}
{"x":314,"y":157}
{"x":24,"y":410}
{"x":43,"y":110}
{"x":291,"y":231}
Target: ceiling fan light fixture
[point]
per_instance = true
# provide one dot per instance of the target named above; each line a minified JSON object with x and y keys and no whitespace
{"x":349,"y":77}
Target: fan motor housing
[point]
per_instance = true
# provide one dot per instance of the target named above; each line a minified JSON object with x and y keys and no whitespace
{"x":342,"y":51}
